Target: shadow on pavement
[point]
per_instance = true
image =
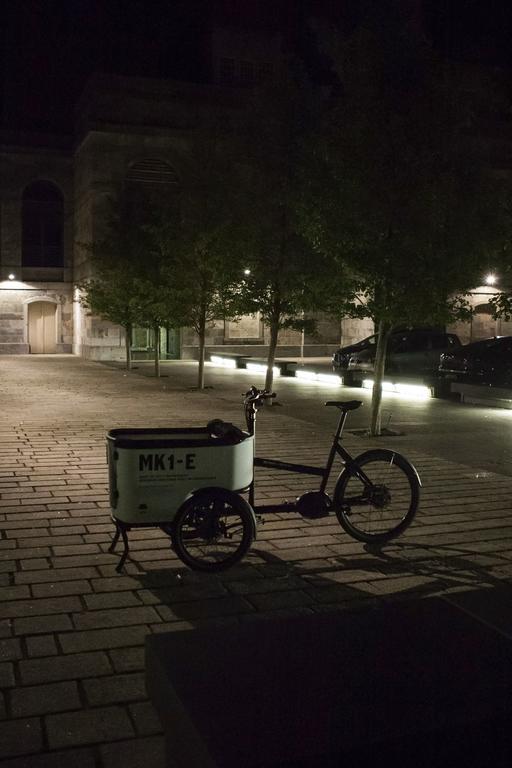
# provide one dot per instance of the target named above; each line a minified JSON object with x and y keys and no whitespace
{"x":411,"y":675}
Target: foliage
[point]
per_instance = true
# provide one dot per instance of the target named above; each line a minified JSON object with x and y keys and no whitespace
{"x":501,"y":304}
{"x":286,"y":278}
{"x":400,"y":195}
{"x":127,"y":285}
{"x":205,"y":265}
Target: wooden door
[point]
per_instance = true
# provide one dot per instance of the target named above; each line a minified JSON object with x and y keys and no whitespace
{"x":41,"y":327}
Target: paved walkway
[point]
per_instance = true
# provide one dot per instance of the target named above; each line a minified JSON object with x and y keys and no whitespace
{"x":72,"y":630}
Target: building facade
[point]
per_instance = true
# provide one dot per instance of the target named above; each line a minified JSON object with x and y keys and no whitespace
{"x":36,"y":246}
{"x":54,"y":195}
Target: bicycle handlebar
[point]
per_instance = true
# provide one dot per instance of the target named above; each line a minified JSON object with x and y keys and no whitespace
{"x":254,"y":395}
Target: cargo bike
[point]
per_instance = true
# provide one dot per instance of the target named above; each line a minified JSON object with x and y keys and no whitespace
{"x":189,"y":483}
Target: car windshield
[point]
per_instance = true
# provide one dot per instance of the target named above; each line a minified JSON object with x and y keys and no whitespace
{"x":367,"y":342}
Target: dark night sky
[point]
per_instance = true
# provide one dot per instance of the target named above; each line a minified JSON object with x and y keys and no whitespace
{"x":49,"y":47}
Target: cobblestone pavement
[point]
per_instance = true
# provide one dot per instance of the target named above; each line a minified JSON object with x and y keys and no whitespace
{"x":72,"y":630}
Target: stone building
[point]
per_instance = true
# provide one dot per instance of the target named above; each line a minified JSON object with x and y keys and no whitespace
{"x":53,"y":196}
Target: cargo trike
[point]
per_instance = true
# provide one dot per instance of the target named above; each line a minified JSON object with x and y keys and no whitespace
{"x":197,"y":485}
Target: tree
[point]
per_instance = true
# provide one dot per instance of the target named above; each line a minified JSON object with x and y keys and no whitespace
{"x":205,"y":253}
{"x":501,"y":301}
{"x":128,"y":283}
{"x":401,"y":195}
{"x":284,"y":278}
{"x":157,"y":224}
{"x":114,"y":290}
{"x":205,"y":290}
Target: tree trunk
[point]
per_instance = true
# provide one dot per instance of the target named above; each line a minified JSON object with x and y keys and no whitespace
{"x":157,"y":351}
{"x":274,"y":331}
{"x":383,"y":331}
{"x":128,"y":346}
{"x":202,"y":349}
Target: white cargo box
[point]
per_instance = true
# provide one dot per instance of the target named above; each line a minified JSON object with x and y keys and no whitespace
{"x":153,"y":471}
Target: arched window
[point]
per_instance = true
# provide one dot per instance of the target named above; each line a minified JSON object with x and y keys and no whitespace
{"x":42,"y":225}
{"x":151,"y":172}
{"x":151,"y":185}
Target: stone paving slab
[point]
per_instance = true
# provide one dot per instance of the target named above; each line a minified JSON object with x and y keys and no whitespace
{"x":72,"y":630}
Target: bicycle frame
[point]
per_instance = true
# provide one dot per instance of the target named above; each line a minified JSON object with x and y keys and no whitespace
{"x":302,"y":469}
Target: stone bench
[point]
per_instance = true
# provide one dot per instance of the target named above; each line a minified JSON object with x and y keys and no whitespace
{"x":479,"y":394}
{"x":287,"y":367}
{"x":421,"y":683}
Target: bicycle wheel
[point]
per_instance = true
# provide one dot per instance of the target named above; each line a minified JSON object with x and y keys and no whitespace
{"x":213,"y":529}
{"x":381,"y":509}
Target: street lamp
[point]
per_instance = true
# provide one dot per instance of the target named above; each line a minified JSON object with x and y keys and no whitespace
{"x":247,"y":271}
{"x":11,"y":276}
{"x":491,"y":279}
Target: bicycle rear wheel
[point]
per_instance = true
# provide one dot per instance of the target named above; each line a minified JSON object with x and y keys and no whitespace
{"x":381,"y":509}
{"x":213,"y":529}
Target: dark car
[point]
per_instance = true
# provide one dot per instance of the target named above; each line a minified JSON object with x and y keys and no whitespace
{"x":488,"y":361}
{"x":416,"y":351}
{"x":341,"y":357}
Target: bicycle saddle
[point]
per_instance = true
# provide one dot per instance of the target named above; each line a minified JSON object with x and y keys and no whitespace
{"x":345,"y":405}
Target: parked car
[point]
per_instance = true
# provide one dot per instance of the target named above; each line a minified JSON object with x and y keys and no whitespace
{"x":341,"y":357}
{"x":415,"y":351}
{"x":488,"y":361}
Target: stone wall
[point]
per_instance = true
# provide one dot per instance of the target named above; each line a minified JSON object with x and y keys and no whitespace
{"x":221,"y":337}
{"x":353,"y":330}
{"x":20,"y":166}
{"x":14,"y":303}
{"x":482,"y":325}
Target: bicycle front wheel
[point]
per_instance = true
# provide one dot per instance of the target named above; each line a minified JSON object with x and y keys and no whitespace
{"x":376,"y":498}
{"x":213,"y":529}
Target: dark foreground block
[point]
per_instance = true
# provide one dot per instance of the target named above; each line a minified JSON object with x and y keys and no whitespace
{"x":421,"y":683}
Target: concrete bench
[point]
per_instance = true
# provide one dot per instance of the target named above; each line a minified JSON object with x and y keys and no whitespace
{"x":287,"y":367}
{"x":479,"y":394}
{"x":421,"y":683}
{"x":228,"y":356}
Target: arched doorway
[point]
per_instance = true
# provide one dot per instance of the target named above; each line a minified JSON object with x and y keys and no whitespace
{"x":42,"y":327}
{"x":483,"y":325}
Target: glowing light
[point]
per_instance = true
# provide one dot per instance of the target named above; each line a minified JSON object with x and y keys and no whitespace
{"x":247,"y":271}
{"x":262,"y":368}
{"x":490,"y":279}
{"x":330,"y":379}
{"x":224,"y":362}
{"x":11,"y":284}
{"x":416,"y":391}
{"x":11,"y":276}
{"x":305,"y":375}
{"x":413,"y":390}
